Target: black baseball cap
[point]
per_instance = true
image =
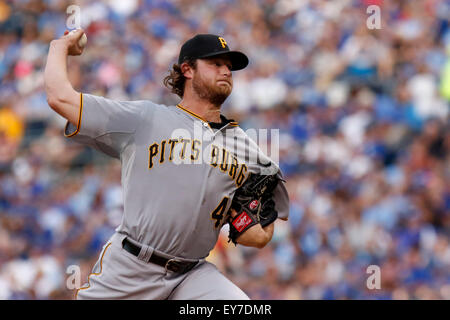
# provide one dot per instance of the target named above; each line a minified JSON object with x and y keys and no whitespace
{"x":210,"y":45}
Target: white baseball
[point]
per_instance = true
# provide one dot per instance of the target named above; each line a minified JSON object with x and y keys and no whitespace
{"x":83,"y":40}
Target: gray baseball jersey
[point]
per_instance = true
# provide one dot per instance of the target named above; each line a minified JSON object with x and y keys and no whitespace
{"x":178,"y":174}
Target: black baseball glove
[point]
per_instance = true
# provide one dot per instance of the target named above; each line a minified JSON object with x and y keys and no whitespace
{"x":253,"y":204}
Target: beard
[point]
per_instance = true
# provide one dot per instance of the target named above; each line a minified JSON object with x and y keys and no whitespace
{"x":212,"y":93}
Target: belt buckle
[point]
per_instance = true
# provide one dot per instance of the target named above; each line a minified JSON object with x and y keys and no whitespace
{"x":176,"y":266}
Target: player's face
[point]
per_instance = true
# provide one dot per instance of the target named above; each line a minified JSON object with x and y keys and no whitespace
{"x":213,"y":79}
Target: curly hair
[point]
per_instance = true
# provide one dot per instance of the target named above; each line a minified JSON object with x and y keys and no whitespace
{"x":175,"y":80}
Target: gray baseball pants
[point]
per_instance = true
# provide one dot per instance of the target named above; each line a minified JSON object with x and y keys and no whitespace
{"x":119,"y":274}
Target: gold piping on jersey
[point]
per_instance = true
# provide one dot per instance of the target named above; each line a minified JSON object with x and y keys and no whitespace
{"x":192,"y":113}
{"x":231,"y":124}
{"x":79,"y":119}
{"x":95,"y":274}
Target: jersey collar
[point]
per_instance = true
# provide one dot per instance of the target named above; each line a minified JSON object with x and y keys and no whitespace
{"x":213,"y":125}
{"x":224,"y":122}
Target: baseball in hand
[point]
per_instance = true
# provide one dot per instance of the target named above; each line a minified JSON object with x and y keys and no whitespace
{"x":83,"y":40}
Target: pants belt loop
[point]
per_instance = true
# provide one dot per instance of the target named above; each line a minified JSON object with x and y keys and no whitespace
{"x":145,"y":253}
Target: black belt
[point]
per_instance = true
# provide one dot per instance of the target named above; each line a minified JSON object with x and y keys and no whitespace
{"x":169,"y":264}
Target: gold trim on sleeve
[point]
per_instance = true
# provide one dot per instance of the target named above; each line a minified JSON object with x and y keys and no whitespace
{"x":79,"y":120}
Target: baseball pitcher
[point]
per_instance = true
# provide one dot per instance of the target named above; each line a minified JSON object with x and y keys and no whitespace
{"x":187,"y":170}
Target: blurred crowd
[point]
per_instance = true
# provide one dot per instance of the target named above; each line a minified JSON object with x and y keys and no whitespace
{"x":364,"y":139}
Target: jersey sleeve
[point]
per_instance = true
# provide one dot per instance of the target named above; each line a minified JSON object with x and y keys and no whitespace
{"x":105,"y":124}
{"x":280,"y":194}
{"x":281,"y":198}
{"x":260,"y":163}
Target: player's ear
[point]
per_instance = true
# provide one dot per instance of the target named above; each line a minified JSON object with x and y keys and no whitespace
{"x":187,"y":70}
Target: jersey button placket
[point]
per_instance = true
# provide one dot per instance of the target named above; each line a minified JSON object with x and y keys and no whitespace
{"x":206,"y":125}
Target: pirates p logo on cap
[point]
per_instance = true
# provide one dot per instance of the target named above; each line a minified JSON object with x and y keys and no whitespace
{"x":204,"y":46}
{"x":223,"y":42}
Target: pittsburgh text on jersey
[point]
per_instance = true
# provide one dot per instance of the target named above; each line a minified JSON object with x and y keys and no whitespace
{"x":189,"y":151}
